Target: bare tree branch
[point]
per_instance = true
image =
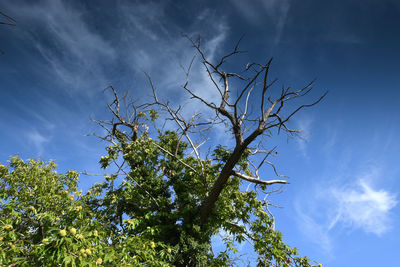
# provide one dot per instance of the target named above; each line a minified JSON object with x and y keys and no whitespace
{"x":268,"y":119}
{"x":184,"y":126}
{"x":271,"y":115}
{"x":258,"y":181}
{"x":10,"y":20}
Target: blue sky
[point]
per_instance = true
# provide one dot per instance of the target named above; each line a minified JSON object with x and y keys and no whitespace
{"x":341,"y":207}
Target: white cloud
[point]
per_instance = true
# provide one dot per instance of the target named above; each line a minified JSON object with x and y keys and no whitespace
{"x":363,"y":207}
{"x":356,"y":205}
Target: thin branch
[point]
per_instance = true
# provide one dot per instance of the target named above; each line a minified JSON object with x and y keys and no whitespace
{"x":258,"y":181}
{"x":172,"y":155}
{"x":140,"y":186}
{"x":11,"y":21}
{"x":184,"y":127}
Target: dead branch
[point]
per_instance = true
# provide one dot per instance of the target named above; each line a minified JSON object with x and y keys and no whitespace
{"x":258,"y":181}
{"x":184,"y":126}
{"x":270,"y":116}
{"x":9,"y":20}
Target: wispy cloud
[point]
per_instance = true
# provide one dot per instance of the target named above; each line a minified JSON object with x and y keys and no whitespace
{"x":363,"y":207}
{"x":304,"y":124}
{"x":151,"y":47}
{"x":37,"y":140}
{"x":145,"y":38}
{"x":75,"y":54}
{"x":317,"y":232}
{"x":161,"y":51}
{"x":356,"y":205}
{"x":276,"y":10}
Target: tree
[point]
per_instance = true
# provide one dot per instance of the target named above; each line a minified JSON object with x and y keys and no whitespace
{"x":173,"y":197}
{"x":46,"y":221}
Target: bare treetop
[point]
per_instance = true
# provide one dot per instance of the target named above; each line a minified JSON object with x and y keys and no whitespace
{"x":270,"y":112}
{"x":235,"y":111}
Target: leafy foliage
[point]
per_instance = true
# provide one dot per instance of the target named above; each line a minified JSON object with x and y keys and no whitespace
{"x":45,"y":221}
{"x":151,"y":218}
